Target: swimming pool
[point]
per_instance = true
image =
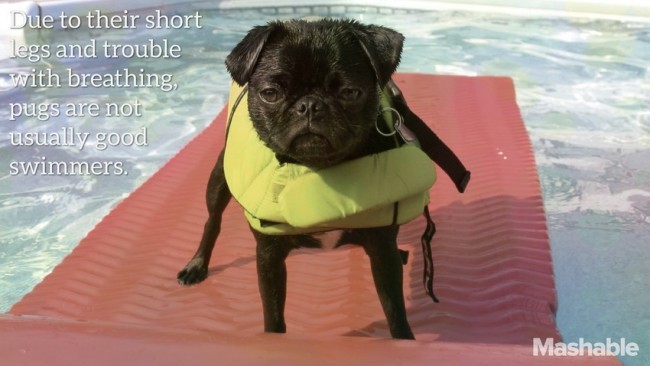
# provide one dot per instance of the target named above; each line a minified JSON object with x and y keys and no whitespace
{"x":583,"y":87}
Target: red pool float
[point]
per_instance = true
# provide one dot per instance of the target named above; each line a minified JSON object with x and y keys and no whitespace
{"x":115,"y":300}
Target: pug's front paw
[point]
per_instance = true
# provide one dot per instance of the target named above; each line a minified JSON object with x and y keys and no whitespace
{"x":194,"y":272}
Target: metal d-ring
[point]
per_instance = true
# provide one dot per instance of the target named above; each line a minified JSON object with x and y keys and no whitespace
{"x":396,"y":124}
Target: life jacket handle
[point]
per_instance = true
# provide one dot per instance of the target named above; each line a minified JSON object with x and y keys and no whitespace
{"x":430,"y":143}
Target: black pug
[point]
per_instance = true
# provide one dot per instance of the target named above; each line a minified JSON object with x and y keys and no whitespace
{"x":314,"y":99}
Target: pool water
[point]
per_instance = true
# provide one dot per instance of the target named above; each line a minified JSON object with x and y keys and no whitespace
{"x":583,"y":87}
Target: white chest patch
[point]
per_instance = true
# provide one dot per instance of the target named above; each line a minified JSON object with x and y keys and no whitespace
{"x":328,"y":239}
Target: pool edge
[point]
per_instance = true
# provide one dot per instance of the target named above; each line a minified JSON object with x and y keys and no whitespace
{"x":604,"y":9}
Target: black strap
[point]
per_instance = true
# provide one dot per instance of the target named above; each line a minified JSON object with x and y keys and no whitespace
{"x":234,"y":108}
{"x":428,"y":257}
{"x":430,"y":143}
{"x":440,"y":153}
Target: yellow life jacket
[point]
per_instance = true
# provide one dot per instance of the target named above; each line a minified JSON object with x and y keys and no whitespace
{"x":390,"y":187}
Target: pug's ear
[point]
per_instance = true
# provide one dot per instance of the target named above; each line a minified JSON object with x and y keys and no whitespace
{"x":383,"y":47}
{"x":242,"y":59}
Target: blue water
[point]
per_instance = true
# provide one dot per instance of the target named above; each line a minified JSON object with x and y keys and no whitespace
{"x":583,"y":87}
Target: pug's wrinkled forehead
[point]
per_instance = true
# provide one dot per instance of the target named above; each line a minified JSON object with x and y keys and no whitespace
{"x":324,"y":42}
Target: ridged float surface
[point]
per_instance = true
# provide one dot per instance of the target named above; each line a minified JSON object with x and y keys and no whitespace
{"x":493,"y":271}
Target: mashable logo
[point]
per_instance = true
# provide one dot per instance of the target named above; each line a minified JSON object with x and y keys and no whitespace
{"x":582,"y":348}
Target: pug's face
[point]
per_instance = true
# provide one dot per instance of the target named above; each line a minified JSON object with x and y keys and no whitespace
{"x":314,"y":86}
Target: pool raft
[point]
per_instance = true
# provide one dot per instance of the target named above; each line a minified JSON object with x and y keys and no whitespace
{"x":115,"y":300}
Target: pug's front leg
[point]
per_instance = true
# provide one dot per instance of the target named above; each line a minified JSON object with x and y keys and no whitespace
{"x":217,"y":196}
{"x":380,"y":244}
{"x":272,"y":252}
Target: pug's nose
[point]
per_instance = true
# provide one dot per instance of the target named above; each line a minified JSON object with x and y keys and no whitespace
{"x":309,"y":106}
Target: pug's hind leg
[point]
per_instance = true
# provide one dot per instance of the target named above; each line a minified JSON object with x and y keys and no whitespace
{"x":272,"y":252}
{"x":380,"y":245}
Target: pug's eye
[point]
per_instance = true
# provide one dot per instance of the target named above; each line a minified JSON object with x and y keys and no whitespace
{"x":350,"y":94}
{"x":270,"y":95}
